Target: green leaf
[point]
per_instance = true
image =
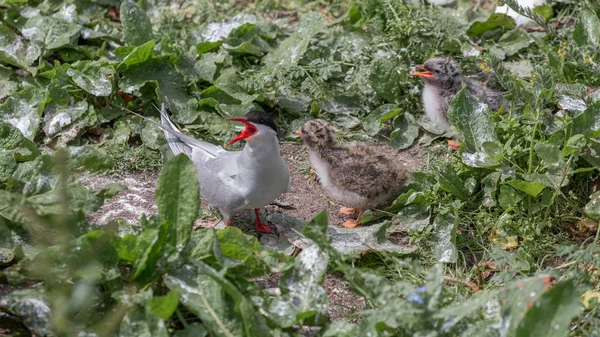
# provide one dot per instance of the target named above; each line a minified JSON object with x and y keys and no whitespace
{"x":16,"y":50}
{"x":302,"y":296}
{"x":508,"y":197}
{"x":444,"y":226}
{"x":178,"y":197}
{"x":137,"y":28}
{"x":592,"y":208}
{"x":450,"y":181}
{"x":544,"y":11}
{"x":406,"y":131}
{"x":14,"y":143}
{"x":290,"y":50}
{"x":413,"y":217}
{"x":587,"y":29}
{"x":32,"y":307}
{"x":490,"y":186}
{"x":513,"y":41}
{"x":533,"y":188}
{"x":171,"y":87}
{"x":139,"y":323}
{"x":92,"y":77}
{"x":372,"y":124}
{"x":163,"y":306}
{"x":23,"y":110}
{"x":588,"y":122}
{"x":495,"y":21}
{"x":229,"y":83}
{"x":387,"y":78}
{"x":8,"y":165}
{"x":473,"y":119}
{"x":51,"y":32}
{"x":205,"y":47}
{"x":237,"y":245}
{"x":208,"y":64}
{"x":550,"y":154}
{"x":551,"y":314}
{"x":132,"y":56}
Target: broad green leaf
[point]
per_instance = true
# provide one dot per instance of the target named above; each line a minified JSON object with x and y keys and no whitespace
{"x":139,"y":323}
{"x":366,"y":239}
{"x":513,"y":41}
{"x":92,"y":77}
{"x":178,"y":197}
{"x":551,"y":314}
{"x":450,"y":181}
{"x":157,"y":251}
{"x":386,"y":77}
{"x":32,"y":306}
{"x":14,"y":143}
{"x":588,"y":121}
{"x":316,"y":230}
{"x":473,"y":119}
{"x":23,"y":111}
{"x":495,"y":21}
{"x":372,"y":124}
{"x":413,"y":217}
{"x":205,"y":47}
{"x":444,"y":227}
{"x":592,"y":208}
{"x":302,"y":296}
{"x":508,"y":197}
{"x":290,"y":50}
{"x":8,"y":165}
{"x":163,"y":306}
{"x":550,"y":154}
{"x":78,"y":198}
{"x":137,"y":28}
{"x":490,"y":186}
{"x":16,"y":50}
{"x":171,"y":87}
{"x":406,"y":131}
{"x":207,"y":65}
{"x":51,"y":32}
{"x":587,"y":28}
{"x":532,"y":188}
{"x":237,"y":245}
{"x":544,"y":11}
{"x":229,"y":83}
{"x":87,"y":158}
{"x":134,"y":55}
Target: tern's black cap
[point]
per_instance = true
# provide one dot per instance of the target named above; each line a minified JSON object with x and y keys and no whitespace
{"x":261,"y":117}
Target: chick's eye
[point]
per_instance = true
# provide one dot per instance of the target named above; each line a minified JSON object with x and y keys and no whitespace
{"x":436,"y":71}
{"x":262,"y":121}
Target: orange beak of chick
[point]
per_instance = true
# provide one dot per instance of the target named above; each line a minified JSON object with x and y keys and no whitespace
{"x":298,"y":132}
{"x":424,"y":74}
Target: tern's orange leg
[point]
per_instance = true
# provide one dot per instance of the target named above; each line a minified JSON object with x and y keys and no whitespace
{"x":228,"y":222}
{"x":260,"y":226}
{"x":347,"y":210}
{"x":453,"y":145}
{"x":353,"y":223}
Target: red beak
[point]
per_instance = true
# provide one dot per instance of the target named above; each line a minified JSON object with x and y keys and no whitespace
{"x":424,"y":74}
{"x":249,"y":130}
{"x":298,"y":132}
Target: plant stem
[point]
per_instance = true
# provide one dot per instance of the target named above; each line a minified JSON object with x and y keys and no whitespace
{"x":532,"y":142}
{"x":562,"y":179}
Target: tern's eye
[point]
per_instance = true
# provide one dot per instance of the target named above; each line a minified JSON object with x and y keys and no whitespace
{"x":436,"y":71}
{"x":262,"y":121}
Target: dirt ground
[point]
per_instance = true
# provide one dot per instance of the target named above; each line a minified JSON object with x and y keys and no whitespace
{"x":306,"y":199}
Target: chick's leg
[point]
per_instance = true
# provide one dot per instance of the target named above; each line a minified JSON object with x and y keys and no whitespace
{"x":347,"y":210}
{"x":353,"y":223}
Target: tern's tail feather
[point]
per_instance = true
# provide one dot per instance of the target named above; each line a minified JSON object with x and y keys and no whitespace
{"x":176,"y":144}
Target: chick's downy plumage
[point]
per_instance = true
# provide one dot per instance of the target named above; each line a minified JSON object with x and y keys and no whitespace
{"x":443,"y":80}
{"x":355,"y":175}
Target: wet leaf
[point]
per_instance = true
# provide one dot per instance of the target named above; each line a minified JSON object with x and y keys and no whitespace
{"x":413,"y":217}
{"x":15,"y":144}
{"x":23,"y":111}
{"x":473,"y":119}
{"x":490,"y":186}
{"x":51,"y":32}
{"x":237,"y":245}
{"x":588,"y":121}
{"x":178,"y":197}
{"x":365,"y":239}
{"x":302,"y":296}
{"x":290,"y":50}
{"x":513,"y":41}
{"x":495,"y":21}
{"x":508,"y":197}
{"x":592,"y":208}
{"x":16,"y":50}
{"x":386,"y":77}
{"x":587,"y":29}
{"x":139,"y":323}
{"x":551,"y":314}
{"x":32,"y":307}
{"x":134,"y":55}
{"x":137,"y":28}
{"x":444,"y":227}
{"x":92,"y":77}
{"x":406,"y":131}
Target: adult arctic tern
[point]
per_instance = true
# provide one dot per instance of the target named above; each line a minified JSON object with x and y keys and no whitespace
{"x":234,"y":180}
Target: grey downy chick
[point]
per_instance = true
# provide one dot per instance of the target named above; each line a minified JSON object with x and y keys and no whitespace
{"x":356,"y":175}
{"x":443,"y":80}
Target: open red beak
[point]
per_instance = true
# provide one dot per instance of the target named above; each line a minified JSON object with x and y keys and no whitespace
{"x":249,"y":130}
{"x":425,"y":74}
